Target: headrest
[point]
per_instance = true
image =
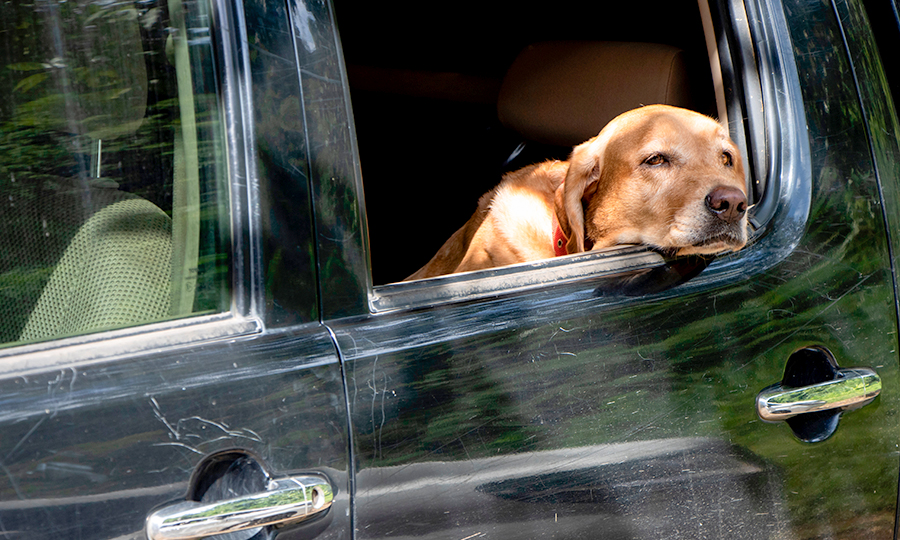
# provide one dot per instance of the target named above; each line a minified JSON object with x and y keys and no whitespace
{"x":103,"y":75}
{"x":564,"y":92}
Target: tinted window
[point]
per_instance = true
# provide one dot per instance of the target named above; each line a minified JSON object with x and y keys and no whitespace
{"x":110,"y":167}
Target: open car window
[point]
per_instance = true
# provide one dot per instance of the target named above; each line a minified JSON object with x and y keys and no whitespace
{"x":437,"y":128}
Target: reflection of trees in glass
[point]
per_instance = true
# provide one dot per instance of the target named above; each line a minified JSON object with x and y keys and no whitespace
{"x":71,"y":93}
{"x":91,"y":103}
{"x":69,"y":85}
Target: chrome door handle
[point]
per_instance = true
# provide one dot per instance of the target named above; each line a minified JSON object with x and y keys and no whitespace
{"x":286,"y":500}
{"x":853,"y":388}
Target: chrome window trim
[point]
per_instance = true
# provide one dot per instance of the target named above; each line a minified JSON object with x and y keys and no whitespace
{"x":86,"y":349}
{"x":748,"y":104}
{"x":513,"y":278}
{"x":232,"y":57}
{"x":766,"y":18}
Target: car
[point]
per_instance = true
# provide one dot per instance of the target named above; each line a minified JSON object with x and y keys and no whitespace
{"x":210,"y":208}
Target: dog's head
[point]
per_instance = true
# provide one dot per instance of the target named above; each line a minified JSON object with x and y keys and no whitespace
{"x":660,"y":176}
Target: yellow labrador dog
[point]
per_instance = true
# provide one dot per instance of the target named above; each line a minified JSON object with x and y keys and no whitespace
{"x":662,"y":176}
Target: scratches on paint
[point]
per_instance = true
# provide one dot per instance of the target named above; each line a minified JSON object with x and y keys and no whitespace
{"x":193,"y":433}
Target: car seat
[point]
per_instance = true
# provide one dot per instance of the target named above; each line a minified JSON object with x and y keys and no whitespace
{"x":111,"y":252}
{"x":558,"y":94}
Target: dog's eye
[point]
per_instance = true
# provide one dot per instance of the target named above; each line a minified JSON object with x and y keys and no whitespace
{"x":727,"y":159}
{"x":656,"y":160}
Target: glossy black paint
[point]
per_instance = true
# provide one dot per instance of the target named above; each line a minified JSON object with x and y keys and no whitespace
{"x":95,"y":435}
{"x":283,"y":164}
{"x":88,"y":450}
{"x":340,"y":232}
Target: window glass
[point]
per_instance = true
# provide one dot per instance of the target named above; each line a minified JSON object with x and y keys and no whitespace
{"x":111,"y":167}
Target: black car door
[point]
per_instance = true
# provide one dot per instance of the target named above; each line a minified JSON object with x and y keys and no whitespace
{"x":618,"y":401}
{"x":163,"y":370}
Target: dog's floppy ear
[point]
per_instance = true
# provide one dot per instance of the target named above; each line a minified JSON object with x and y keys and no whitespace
{"x":585,"y":166}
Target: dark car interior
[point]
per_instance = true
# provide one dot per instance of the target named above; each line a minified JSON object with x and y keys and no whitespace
{"x":447,"y":98}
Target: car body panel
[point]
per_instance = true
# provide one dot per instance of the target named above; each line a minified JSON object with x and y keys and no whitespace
{"x":98,"y":431}
{"x":89,"y":450}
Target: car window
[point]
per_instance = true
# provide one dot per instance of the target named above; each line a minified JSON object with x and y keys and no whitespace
{"x":438,"y":124}
{"x":111,"y":168}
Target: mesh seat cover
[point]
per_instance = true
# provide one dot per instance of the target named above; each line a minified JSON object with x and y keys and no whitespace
{"x":114,"y":273}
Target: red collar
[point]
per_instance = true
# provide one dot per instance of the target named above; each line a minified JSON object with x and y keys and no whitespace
{"x":560,"y":241}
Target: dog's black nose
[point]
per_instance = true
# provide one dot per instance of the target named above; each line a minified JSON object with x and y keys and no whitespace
{"x":728,"y":203}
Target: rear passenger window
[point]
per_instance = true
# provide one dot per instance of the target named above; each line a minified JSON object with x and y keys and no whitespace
{"x":112,"y":206}
{"x":446,"y":101}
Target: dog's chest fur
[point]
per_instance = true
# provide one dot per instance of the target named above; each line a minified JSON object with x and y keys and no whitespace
{"x":521,"y":212}
{"x":513,"y":223}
